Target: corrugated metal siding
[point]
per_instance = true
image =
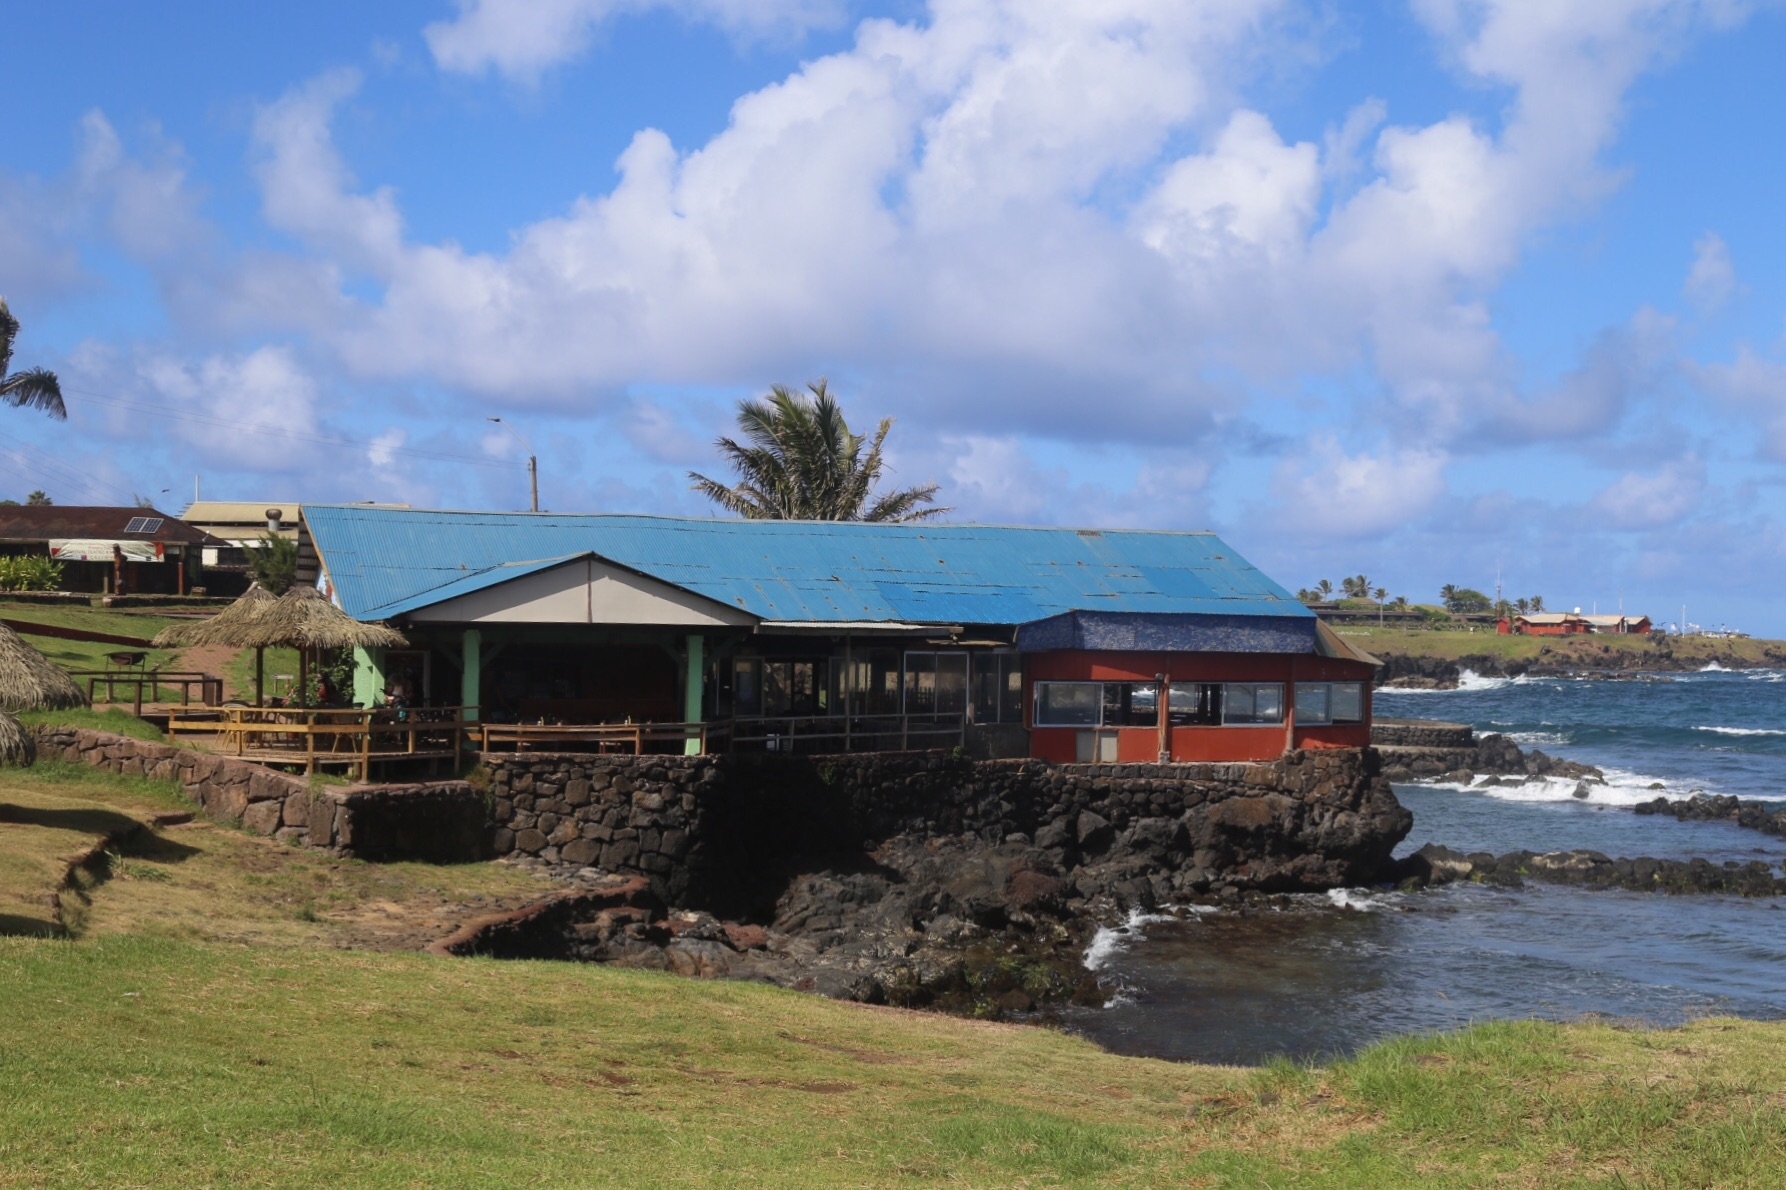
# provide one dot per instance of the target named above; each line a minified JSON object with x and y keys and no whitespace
{"x":387,"y":561}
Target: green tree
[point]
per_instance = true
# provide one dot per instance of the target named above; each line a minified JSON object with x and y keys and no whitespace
{"x":34,"y":388}
{"x":1464,"y":600}
{"x":274,"y":562}
{"x":1537,"y":603}
{"x":38,"y":498}
{"x":803,"y":463}
{"x":1325,"y":587}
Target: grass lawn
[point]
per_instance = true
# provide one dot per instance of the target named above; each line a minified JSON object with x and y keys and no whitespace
{"x":1452,"y":644}
{"x":77,"y":654}
{"x":234,"y":1011}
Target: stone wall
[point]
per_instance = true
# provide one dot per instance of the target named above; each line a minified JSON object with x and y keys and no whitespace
{"x":442,"y":821}
{"x":1421,"y":733}
{"x":725,"y":832}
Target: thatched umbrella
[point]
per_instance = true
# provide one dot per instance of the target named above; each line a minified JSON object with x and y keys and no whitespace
{"x":226,"y":628}
{"x":17,"y":749}
{"x":29,"y":681}
{"x":301,"y":619}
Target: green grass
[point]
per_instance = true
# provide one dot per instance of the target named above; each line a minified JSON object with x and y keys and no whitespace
{"x":219,"y":1021}
{"x":1452,"y":644}
{"x":113,"y":719}
{"x":84,"y":655}
{"x":238,"y":675}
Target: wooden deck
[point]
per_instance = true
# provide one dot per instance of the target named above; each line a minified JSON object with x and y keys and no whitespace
{"x":326,"y":738}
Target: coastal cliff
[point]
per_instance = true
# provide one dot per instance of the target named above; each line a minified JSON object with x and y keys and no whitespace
{"x":918,"y":879}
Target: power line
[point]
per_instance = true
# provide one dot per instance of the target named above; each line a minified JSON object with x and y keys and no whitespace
{"x":290,"y":435}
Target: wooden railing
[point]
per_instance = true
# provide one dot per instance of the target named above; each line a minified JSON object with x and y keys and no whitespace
{"x":210,"y":686}
{"x":599,"y":737}
{"x":321,"y":737}
{"x":843,"y":733}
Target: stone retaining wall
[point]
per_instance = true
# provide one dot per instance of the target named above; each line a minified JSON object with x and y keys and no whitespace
{"x":1421,"y":733}
{"x":724,"y":832}
{"x":441,"y":821}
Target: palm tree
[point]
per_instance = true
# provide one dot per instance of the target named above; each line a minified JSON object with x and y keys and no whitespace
{"x":1448,"y":594}
{"x":1325,"y":587}
{"x":1380,"y":594}
{"x":1522,"y":605}
{"x":1537,"y":603}
{"x":34,"y":388}
{"x":802,"y":463}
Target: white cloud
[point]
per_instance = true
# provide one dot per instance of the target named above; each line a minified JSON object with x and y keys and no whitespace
{"x":1330,"y":493}
{"x":1655,"y":500}
{"x":1711,"y":281}
{"x":305,"y":186}
{"x":250,"y":411}
{"x":522,"y":38}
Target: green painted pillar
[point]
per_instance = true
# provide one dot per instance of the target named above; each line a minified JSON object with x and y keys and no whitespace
{"x":368,"y":676}
{"x":470,"y":677}
{"x":691,"y":689}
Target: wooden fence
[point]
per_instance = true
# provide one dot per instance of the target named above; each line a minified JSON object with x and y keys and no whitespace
{"x":322,"y":737}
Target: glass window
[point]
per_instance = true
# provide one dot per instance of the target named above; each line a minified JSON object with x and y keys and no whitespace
{"x":1348,"y":702}
{"x":1010,"y":703}
{"x":778,"y":687}
{"x":998,"y":688}
{"x":951,"y":683}
{"x":1252,"y":703}
{"x":1314,"y":702}
{"x":747,"y":694}
{"x":1196,"y":704}
{"x":1068,"y":704}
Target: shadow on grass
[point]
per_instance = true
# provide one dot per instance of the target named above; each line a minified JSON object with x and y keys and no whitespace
{"x":86,"y":820}
{"x":14,"y":926}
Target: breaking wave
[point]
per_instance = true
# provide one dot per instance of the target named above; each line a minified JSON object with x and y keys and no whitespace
{"x":1742,"y":730}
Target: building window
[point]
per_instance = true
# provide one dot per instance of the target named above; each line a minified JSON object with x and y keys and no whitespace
{"x":1196,"y":704}
{"x":1137,"y":704}
{"x":936,"y":683}
{"x":1329,"y":702}
{"x":1314,"y":702}
{"x":998,"y":688}
{"x":1250,"y":704}
{"x":1068,"y":704}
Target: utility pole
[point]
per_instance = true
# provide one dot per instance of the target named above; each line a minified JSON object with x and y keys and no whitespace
{"x":533,"y":462}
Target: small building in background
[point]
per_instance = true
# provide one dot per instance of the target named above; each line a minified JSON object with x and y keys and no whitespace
{"x":110,"y":550}
{"x":1619,"y":624}
{"x":239,"y":526}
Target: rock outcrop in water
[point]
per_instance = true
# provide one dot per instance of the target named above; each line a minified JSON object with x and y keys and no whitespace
{"x":1430,"y":749}
{"x":1433,"y":865}
{"x":1767,"y":817}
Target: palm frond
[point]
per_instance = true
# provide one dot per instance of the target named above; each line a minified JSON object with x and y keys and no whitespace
{"x":797,"y":459}
{"x":34,"y":388}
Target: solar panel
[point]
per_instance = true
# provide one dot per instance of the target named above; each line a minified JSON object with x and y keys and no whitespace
{"x":143,"y":524}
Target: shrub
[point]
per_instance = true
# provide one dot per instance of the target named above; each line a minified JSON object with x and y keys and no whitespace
{"x":30,"y":572}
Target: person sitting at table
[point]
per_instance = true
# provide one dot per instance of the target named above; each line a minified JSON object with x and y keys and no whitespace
{"x":396,"y":698}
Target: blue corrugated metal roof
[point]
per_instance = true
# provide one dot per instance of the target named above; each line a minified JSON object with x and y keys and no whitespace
{"x":385,"y":562}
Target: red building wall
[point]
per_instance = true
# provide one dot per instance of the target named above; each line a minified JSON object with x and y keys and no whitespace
{"x":1188,"y":744}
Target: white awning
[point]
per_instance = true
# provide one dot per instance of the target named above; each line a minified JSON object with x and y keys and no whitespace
{"x":76,"y":549}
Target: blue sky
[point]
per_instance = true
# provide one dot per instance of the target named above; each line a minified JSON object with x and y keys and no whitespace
{"x":1431,"y":290}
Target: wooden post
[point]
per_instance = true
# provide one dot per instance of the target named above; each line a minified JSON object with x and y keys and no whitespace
{"x":1290,"y":710}
{"x":1165,"y":681}
{"x":694,"y":672}
{"x":470,"y":673}
{"x":260,"y":666}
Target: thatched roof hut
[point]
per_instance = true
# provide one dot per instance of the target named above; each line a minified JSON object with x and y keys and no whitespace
{"x":225,"y":628}
{"x":29,"y":681}
{"x":17,"y":748}
{"x":302,"y":618}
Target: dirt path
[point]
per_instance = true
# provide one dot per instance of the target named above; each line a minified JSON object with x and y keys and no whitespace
{"x":213,"y":659}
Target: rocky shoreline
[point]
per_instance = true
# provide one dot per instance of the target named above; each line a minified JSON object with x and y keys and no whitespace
{"x":1767,"y":817}
{"x":996,"y":922}
{"x":1435,"y":865}
{"x":1404,"y":671}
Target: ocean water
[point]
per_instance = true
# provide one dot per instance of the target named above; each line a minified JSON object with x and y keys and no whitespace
{"x":1341,"y":971}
